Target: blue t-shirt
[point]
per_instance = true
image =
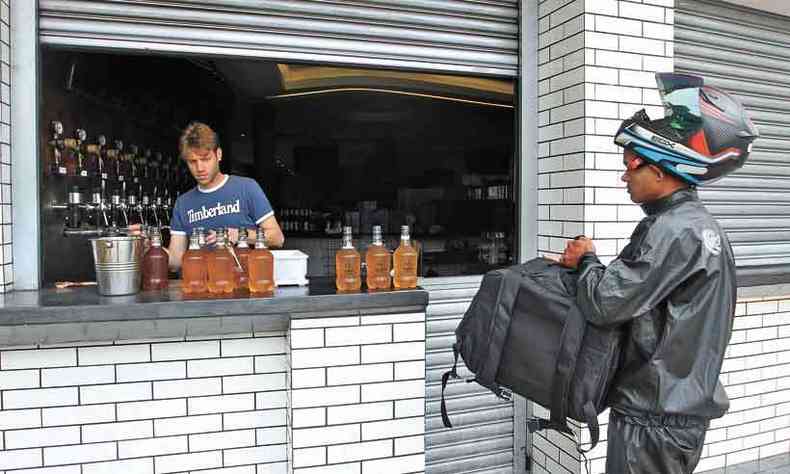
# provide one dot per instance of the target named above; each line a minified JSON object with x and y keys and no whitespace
{"x":237,"y":202}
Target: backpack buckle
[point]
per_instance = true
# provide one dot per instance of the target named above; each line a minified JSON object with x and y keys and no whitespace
{"x":505,"y":394}
{"x":537,"y":424}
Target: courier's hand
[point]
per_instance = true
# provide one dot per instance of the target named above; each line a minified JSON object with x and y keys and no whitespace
{"x":134,"y":229}
{"x":574,"y":250}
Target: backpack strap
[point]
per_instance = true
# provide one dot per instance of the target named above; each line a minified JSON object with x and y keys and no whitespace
{"x":445,"y":378}
{"x":570,"y":345}
{"x":591,"y":418}
{"x":500,"y":325}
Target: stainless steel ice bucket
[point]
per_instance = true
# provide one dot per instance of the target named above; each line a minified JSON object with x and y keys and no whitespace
{"x":118,"y":263}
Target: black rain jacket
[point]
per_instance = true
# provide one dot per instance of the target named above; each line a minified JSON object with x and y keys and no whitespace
{"x":674,"y":288}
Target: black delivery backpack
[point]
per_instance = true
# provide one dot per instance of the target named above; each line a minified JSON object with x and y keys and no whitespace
{"x":524,"y":333}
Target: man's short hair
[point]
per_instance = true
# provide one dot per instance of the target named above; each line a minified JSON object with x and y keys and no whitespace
{"x":198,"y":137}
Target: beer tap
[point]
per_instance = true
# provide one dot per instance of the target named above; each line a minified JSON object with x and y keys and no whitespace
{"x":120,"y":218}
{"x":101,"y":142}
{"x":57,"y":146}
{"x":73,"y":219}
{"x":115,"y":155}
{"x":92,"y":163}
{"x":131,"y":163}
{"x":148,"y":215}
{"x":99,"y":207}
{"x":72,"y":160}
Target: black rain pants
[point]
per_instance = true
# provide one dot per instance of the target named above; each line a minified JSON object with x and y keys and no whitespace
{"x":650,"y":444}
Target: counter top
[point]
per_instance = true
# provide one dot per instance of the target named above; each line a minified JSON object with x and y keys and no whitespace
{"x":68,"y":315}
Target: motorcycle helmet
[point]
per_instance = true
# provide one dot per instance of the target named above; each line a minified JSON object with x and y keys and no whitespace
{"x":704,"y":135}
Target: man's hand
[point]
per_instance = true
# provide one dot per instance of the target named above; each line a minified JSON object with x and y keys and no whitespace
{"x":574,"y":250}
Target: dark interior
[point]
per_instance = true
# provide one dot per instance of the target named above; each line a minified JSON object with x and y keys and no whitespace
{"x":330,"y":147}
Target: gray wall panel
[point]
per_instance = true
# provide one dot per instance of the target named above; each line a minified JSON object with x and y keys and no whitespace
{"x":441,"y":35}
{"x":481,"y":440}
{"x":746,"y":52}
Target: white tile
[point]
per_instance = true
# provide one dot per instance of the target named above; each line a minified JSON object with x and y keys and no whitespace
{"x":119,"y":354}
{"x":218,"y":367}
{"x":187,"y":388}
{"x":257,"y":454}
{"x":327,"y":396}
{"x":359,"y":412}
{"x":38,"y":358}
{"x":152,"y":447}
{"x":42,"y":437}
{"x":20,"y":458}
{"x":187,"y":425}
{"x":151,"y":371}
{"x":413,"y":463}
{"x":306,"y":457}
{"x":393,"y":318}
{"x":409,"y":332}
{"x":40,"y":397}
{"x":305,"y":338}
{"x":358,"y":335}
{"x":125,"y":392}
{"x":130,"y":466}
{"x":410,"y":370}
{"x":393,"y":428}
{"x":357,"y":374}
{"x":222,"y":440}
{"x":307,"y":358}
{"x":276,"y":435}
{"x":253,"y":383}
{"x":410,"y":445}
{"x":307,"y":437}
{"x":14,"y":419}
{"x":308,"y":417}
{"x":253,"y":346}
{"x":228,"y":470}
{"x":393,"y":390}
{"x":185,"y":350}
{"x":70,"y":376}
{"x":254,"y":419}
{"x":79,"y":453}
{"x":78,"y":415}
{"x":304,"y":378}
{"x":188,"y":462}
{"x":359,"y":451}
{"x":152,"y":409}
{"x":409,"y":408}
{"x":308,"y":323}
{"x":393,"y":352}
{"x":117,"y":431}
{"x":13,"y":379}
{"x":74,"y":469}
{"x":268,"y":400}
{"x":353,"y":468}
{"x":221,"y":404}
{"x":272,"y":363}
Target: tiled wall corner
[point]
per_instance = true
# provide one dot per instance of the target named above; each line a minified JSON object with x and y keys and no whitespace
{"x":6,"y":255}
{"x":357,"y":394}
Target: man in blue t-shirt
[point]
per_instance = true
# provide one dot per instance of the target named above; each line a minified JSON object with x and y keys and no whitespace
{"x":218,"y":200}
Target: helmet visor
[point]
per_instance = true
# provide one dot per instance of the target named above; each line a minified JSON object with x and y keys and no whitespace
{"x":680,"y":94}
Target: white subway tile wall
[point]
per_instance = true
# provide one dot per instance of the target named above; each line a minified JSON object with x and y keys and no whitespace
{"x":357,"y":394}
{"x":146,"y":408}
{"x":6,"y":253}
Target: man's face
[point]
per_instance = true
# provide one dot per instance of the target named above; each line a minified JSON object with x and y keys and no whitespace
{"x":640,"y":178}
{"x":204,"y":165}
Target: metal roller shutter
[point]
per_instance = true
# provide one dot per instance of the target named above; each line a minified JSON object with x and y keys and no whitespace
{"x":464,"y":36}
{"x":747,"y":52}
{"x":481,"y":440}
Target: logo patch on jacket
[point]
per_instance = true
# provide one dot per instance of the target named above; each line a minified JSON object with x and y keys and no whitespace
{"x":712,"y":241}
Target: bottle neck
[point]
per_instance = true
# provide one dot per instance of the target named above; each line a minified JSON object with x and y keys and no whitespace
{"x":194,"y":243}
{"x":260,"y":244}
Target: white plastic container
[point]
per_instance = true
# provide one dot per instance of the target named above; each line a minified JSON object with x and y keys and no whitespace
{"x":290,"y":267}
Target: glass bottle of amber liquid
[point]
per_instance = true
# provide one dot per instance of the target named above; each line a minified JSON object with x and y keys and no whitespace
{"x":220,"y":267}
{"x":261,"y":266}
{"x":404,"y":259}
{"x":155,"y":264}
{"x":193,"y":266}
{"x":378,"y":262}
{"x":347,"y":262}
{"x":243,"y":254}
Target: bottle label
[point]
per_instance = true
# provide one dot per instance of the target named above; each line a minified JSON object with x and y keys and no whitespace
{"x":83,"y":173}
{"x":62,"y":170}
{"x":104,"y":176}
